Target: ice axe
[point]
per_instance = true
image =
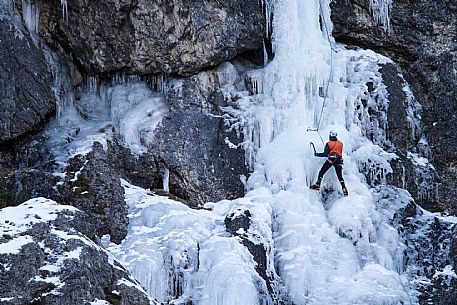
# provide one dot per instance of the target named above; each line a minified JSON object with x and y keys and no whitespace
{"x":312,"y":145}
{"x":316,"y":130}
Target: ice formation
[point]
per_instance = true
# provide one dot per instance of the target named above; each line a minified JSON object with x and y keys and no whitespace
{"x":322,"y":248}
{"x":380,"y":9}
{"x":180,"y":254}
{"x":125,"y":107}
{"x":31,"y":14}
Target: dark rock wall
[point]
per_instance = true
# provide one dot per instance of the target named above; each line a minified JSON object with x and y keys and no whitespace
{"x":25,"y":168}
{"x":144,"y":37}
{"x":26,"y":98}
{"x":423,"y":39}
{"x":191,"y":142}
{"x":93,"y":186}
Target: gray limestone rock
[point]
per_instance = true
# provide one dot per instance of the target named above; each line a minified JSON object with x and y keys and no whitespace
{"x":45,"y":259}
{"x":93,"y":186}
{"x":143,"y":37}
{"x":191,"y":142}
{"x":26,"y":99}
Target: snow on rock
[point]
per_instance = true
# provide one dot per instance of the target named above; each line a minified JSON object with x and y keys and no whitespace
{"x":15,"y":220}
{"x":14,"y":246}
{"x":43,"y":258}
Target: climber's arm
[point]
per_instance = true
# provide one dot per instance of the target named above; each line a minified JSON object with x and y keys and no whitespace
{"x":323,"y":154}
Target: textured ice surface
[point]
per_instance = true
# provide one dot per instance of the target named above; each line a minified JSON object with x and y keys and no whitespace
{"x":326,"y":249}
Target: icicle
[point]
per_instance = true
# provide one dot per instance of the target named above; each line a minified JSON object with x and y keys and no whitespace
{"x":166,"y":179}
{"x":380,"y":9}
{"x":268,"y":14}
{"x":62,"y":87}
{"x":31,"y":15}
{"x":92,"y":83}
{"x":265,"y":53}
{"x":64,"y":7}
{"x":157,"y":82}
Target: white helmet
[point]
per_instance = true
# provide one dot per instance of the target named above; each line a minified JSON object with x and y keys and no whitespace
{"x":333,"y":134}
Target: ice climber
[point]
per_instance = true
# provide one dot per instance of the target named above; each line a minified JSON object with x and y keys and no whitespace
{"x":334,"y":152}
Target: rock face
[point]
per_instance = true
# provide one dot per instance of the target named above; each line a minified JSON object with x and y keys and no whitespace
{"x":93,"y":186}
{"x":25,"y":168}
{"x":46,"y":259}
{"x":421,"y":38}
{"x":405,"y":139}
{"x":144,"y":37}
{"x":191,"y":140}
{"x":26,"y":98}
{"x":431,"y":255}
{"x":428,"y":249}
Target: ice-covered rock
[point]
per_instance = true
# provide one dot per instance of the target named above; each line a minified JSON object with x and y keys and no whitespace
{"x":421,"y":38}
{"x":46,"y":258}
{"x":182,"y":255}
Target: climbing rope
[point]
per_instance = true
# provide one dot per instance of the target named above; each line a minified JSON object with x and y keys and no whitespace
{"x":330,"y":74}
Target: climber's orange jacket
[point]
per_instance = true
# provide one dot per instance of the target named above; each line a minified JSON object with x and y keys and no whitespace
{"x":334,"y":147}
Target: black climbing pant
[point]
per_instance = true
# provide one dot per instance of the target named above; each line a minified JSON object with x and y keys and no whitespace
{"x":338,"y":164}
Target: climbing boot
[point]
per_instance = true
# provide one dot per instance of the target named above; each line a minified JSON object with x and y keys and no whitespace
{"x":315,"y":186}
{"x":345,"y":191}
{"x":343,"y":187}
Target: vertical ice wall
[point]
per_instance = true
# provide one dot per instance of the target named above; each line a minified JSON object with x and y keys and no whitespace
{"x":330,"y":250}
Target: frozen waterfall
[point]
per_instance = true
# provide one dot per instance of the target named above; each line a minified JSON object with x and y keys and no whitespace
{"x":321,"y":248}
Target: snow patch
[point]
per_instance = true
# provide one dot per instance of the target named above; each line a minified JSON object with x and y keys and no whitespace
{"x":14,"y":220}
{"x":100,"y":302}
{"x":15,"y":245}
